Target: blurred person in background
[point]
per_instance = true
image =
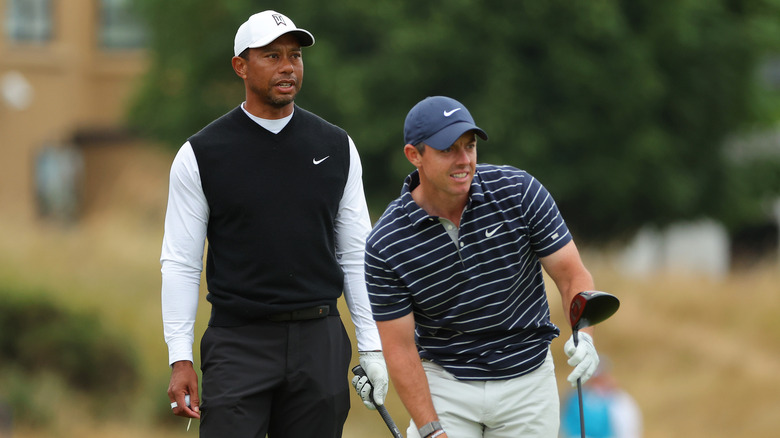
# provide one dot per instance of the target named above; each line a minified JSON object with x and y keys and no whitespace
{"x":277,"y":192}
{"x":454,"y":273}
{"x":609,"y":411}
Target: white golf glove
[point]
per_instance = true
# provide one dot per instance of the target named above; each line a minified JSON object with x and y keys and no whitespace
{"x":583,"y":358}
{"x":373,"y":363}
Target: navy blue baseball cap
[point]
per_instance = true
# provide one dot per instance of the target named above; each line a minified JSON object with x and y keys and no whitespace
{"x":438,"y":121}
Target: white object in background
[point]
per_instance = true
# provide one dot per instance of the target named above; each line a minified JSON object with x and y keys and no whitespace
{"x":16,"y":90}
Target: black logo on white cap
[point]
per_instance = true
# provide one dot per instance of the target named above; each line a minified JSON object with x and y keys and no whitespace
{"x":279,"y":19}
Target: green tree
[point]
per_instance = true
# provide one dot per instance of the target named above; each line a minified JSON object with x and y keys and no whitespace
{"x":620,"y":107}
{"x":190,"y":80}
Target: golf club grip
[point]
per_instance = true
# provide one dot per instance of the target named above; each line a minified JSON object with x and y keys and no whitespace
{"x":389,"y":421}
{"x":575,"y":337}
{"x":358,"y":371}
{"x":582,"y":412}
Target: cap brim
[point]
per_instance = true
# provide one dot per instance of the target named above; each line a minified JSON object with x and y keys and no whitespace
{"x":446,"y":137}
{"x":304,"y":37}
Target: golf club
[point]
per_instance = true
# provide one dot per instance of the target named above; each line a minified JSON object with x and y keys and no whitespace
{"x":358,"y":371}
{"x":589,"y":308}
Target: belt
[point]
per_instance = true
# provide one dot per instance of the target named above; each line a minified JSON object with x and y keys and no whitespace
{"x":302,"y":314}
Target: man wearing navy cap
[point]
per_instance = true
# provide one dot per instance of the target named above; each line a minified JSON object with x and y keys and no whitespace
{"x":277,"y":192}
{"x":454,"y":274}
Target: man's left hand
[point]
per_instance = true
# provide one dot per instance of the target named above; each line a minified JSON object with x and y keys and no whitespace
{"x":583,"y":358}
{"x":373,"y":363}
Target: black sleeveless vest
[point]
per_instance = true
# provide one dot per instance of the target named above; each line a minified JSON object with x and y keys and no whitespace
{"x":273,"y":200}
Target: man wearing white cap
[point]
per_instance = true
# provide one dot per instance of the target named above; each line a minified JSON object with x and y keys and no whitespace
{"x":277,"y":192}
{"x":454,"y":273}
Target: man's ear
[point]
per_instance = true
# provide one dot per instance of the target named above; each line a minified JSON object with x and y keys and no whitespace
{"x":239,"y":66}
{"x":413,"y":155}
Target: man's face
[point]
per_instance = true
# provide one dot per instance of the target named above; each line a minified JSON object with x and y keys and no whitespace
{"x":449,"y":172}
{"x":274,"y":73}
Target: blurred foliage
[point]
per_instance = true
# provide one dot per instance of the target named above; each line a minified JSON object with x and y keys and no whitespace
{"x":620,"y":107}
{"x":38,"y":338}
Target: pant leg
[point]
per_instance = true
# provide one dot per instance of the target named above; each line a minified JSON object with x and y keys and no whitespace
{"x":526,"y":406}
{"x":458,"y":403}
{"x":314,"y":401}
{"x":241,"y":368}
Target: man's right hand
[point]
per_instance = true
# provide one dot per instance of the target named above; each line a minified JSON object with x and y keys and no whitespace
{"x":184,"y":381}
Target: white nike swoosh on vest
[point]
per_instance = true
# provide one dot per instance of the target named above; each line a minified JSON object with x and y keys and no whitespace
{"x":316,"y":161}
{"x":489,"y":233}
{"x":449,"y":113}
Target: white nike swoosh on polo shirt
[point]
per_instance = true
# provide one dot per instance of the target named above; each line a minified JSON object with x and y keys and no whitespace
{"x":489,"y":233}
{"x":316,"y":161}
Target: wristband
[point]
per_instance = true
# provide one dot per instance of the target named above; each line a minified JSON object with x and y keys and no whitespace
{"x":429,"y":428}
{"x":437,"y":433}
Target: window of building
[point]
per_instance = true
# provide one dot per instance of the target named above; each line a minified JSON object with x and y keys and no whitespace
{"x":120,"y":25}
{"x":28,"y":20}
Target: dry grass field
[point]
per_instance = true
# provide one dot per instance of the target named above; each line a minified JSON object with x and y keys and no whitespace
{"x":701,"y":357}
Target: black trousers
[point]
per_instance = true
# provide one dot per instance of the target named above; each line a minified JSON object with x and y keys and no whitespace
{"x":283,"y":379}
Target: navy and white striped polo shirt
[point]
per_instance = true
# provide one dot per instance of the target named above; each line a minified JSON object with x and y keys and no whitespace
{"x":480,"y":306}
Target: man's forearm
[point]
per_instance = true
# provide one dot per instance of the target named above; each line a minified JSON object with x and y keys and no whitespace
{"x":411,"y":384}
{"x":179,"y":301}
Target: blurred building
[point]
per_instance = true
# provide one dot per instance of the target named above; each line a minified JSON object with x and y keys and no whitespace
{"x":66,"y":71}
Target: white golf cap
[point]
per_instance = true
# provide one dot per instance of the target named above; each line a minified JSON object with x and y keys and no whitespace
{"x":264,"y":27}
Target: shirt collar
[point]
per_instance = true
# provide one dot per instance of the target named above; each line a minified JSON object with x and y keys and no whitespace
{"x":273,"y":125}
